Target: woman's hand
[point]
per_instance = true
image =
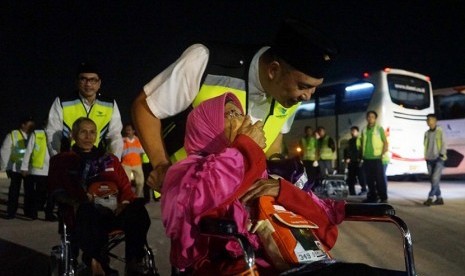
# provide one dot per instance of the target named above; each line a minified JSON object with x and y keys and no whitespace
{"x":263,"y":187}
{"x":254,"y":131}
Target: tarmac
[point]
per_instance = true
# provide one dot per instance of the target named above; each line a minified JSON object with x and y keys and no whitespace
{"x":437,"y":231}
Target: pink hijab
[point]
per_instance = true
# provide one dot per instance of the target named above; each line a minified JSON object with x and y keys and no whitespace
{"x":205,"y":126}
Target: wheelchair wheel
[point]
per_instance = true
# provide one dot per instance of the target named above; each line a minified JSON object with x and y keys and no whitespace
{"x":149,"y":261}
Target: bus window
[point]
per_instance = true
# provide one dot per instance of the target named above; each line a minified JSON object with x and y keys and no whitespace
{"x":450,"y":107}
{"x":306,"y":110}
{"x":409,"y":92}
{"x":327,"y":105}
{"x":357,"y":97}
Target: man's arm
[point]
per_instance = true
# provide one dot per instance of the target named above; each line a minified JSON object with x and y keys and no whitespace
{"x":148,"y":127}
{"x":54,"y":127}
{"x":114,"y":132}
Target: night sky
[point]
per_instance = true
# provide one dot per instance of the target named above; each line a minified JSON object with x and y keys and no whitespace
{"x":42,"y":42}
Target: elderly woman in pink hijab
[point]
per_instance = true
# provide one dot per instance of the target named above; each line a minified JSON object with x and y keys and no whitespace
{"x":224,"y":171}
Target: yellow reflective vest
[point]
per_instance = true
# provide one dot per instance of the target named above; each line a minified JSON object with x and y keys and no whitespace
{"x":310,"y":145}
{"x":100,"y":112}
{"x":19,"y":143}
{"x":40,"y":149}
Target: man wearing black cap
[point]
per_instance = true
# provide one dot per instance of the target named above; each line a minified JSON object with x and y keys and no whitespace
{"x":87,"y":102}
{"x":269,"y":81}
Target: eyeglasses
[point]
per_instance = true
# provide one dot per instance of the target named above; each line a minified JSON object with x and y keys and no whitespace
{"x":84,"y":80}
{"x":233,"y":114}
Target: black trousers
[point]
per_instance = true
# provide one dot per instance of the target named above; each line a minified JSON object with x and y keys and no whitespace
{"x":374,"y":176}
{"x":16,"y":179}
{"x":354,"y":173}
{"x":94,"y":222}
{"x":35,"y":187}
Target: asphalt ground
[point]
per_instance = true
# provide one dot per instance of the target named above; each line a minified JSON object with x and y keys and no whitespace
{"x":438,"y":234}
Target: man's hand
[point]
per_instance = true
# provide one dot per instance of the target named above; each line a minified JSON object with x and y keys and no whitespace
{"x":254,"y":131}
{"x":263,"y":187}
{"x":157,"y":176}
{"x":24,"y":173}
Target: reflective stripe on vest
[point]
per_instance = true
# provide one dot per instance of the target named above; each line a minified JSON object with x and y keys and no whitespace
{"x":215,"y":85}
{"x":40,"y":149}
{"x":326,"y":153}
{"x":310,"y":145}
{"x":100,"y":113}
{"x":18,"y":146}
{"x":376,"y":141}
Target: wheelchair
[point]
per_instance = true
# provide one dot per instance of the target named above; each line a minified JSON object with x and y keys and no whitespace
{"x":64,"y":257}
{"x":227,"y":229}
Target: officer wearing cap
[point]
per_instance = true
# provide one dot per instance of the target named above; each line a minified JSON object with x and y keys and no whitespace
{"x":87,"y":101}
{"x":269,"y":81}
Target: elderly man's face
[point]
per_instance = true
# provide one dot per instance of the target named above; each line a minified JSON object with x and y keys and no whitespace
{"x":86,"y":136}
{"x":88,"y":84}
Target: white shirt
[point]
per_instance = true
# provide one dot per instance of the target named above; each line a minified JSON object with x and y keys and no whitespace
{"x":54,"y":128}
{"x":27,"y":165}
{"x":6,"y":153}
{"x":174,"y":89}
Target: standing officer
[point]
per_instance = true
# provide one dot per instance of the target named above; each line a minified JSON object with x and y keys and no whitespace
{"x":12,"y":153}
{"x":87,"y":102}
{"x":374,"y":144}
{"x":269,"y":81}
{"x":35,"y":170}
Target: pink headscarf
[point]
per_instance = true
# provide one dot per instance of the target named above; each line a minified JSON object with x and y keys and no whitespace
{"x":205,"y":126}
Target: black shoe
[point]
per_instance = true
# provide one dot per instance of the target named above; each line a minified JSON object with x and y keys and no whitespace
{"x":439,"y":201}
{"x":383,"y":201}
{"x":51,"y":217}
{"x":362,"y":193}
{"x":10,"y":217}
{"x":428,"y":202}
{"x":134,"y":268}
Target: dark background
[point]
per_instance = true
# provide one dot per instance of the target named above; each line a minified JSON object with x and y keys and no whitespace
{"x":42,"y":42}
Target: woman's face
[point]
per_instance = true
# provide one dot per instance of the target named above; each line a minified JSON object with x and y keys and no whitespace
{"x":233,"y":119}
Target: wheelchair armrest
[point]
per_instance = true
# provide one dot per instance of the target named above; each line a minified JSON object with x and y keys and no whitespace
{"x":217,"y":226}
{"x":369,"y":209}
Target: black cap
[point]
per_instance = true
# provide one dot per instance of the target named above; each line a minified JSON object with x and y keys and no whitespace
{"x":304,"y":48}
{"x":87,"y":67}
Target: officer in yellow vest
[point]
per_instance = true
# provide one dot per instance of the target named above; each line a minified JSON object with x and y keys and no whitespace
{"x":88,"y":102}
{"x":269,"y":81}
{"x":374,"y":145}
{"x":12,"y":153}
{"x":35,"y":170}
{"x":309,"y":146}
{"x":326,"y":149}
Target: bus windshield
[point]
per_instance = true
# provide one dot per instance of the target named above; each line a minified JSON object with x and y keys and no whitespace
{"x":409,"y":92}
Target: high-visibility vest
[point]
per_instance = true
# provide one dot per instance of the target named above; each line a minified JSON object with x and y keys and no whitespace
{"x":438,"y":134}
{"x":132,"y":151}
{"x":310,"y":145}
{"x":100,"y":112}
{"x":40,"y":149}
{"x":227,"y":71}
{"x":376,"y":141}
{"x":326,"y":153}
{"x":19,"y":143}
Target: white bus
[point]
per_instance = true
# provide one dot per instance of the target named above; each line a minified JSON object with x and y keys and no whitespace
{"x":449,"y":104}
{"x":402,"y":100}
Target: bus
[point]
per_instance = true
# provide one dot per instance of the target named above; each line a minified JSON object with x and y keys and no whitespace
{"x":449,"y":105}
{"x":402,"y":100}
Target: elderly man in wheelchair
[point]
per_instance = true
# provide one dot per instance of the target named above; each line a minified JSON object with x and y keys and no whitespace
{"x":95,"y":198}
{"x":222,"y":191}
